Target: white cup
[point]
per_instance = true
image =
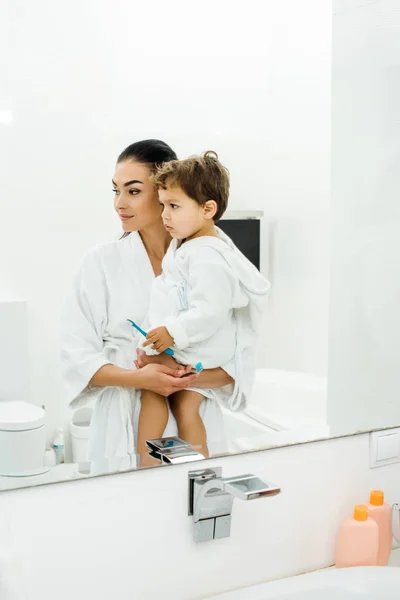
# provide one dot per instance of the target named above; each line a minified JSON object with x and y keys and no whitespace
{"x":49,"y":458}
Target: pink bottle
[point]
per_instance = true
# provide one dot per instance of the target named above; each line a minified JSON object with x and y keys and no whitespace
{"x":381,"y":512}
{"x":358,"y":540}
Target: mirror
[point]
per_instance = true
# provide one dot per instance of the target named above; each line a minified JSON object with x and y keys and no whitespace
{"x":309,"y":133}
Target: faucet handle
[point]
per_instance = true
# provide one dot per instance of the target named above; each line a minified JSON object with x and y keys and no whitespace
{"x":200,"y":475}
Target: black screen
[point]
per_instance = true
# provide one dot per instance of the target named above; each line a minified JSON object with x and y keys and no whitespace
{"x":245,"y":233}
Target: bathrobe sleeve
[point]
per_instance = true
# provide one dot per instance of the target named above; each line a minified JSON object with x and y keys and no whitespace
{"x":229,"y":368}
{"x":212,"y":288}
{"x":82,"y":323}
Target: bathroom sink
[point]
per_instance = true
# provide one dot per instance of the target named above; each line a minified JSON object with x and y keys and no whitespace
{"x":359,"y":583}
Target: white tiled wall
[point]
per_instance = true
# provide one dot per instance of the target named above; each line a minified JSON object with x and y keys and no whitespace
{"x":129,"y":536}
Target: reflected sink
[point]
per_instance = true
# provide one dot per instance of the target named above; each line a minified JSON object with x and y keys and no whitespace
{"x":359,"y":583}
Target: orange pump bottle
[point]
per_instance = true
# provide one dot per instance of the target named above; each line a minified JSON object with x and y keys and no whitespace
{"x":358,"y":540}
{"x":381,"y":513}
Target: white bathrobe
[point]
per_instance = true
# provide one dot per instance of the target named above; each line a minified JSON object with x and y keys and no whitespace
{"x":211,"y":298}
{"x":112,"y":285}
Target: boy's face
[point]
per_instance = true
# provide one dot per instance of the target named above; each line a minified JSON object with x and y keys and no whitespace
{"x":182,"y":216}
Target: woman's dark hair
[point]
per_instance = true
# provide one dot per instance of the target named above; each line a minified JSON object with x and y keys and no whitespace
{"x":151,"y":152}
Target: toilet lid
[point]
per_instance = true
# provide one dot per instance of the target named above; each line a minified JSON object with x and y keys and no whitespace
{"x":20,"y":416}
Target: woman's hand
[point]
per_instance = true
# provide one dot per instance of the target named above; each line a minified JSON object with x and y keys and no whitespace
{"x":209,"y":378}
{"x":163,"y":380}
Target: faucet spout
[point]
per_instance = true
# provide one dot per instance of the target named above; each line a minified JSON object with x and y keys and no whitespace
{"x":249,"y":487}
{"x":172,"y":450}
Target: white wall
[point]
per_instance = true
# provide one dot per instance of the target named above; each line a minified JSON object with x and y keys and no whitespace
{"x":129,"y":536}
{"x":364,"y":365}
{"x":14,"y":380}
{"x":295,"y":335}
{"x":85,"y":79}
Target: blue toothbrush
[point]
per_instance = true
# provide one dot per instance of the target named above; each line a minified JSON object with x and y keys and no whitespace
{"x":198,"y":367}
{"x":167,"y":351}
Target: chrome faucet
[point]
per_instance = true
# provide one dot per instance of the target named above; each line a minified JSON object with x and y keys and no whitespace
{"x":172,"y":450}
{"x":211,"y":499}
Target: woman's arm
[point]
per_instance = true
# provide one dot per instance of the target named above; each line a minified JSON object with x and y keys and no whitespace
{"x":209,"y":378}
{"x":156,"y":378}
{"x":111,"y":375}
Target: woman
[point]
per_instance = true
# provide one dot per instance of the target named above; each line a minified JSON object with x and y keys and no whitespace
{"x":112,"y":285}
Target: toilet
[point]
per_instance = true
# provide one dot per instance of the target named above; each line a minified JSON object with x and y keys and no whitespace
{"x":22,"y":439}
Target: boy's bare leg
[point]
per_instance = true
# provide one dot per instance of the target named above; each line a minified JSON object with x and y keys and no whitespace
{"x":185,"y":407}
{"x":161,"y":359}
{"x":153,"y":420}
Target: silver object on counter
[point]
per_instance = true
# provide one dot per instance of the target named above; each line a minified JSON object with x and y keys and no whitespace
{"x":211,"y":499}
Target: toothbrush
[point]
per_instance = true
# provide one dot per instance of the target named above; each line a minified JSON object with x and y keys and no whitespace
{"x":167,"y":351}
{"x":198,"y":367}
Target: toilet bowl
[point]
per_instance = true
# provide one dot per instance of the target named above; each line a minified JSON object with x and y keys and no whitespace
{"x":22,"y":439}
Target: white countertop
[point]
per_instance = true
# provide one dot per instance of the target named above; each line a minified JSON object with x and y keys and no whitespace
{"x":236,"y":215}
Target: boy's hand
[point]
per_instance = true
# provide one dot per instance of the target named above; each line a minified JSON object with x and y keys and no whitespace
{"x":159,"y":338}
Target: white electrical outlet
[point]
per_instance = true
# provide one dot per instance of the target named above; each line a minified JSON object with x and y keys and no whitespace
{"x":384,"y":447}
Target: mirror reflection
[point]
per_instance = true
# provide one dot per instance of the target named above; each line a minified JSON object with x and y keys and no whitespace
{"x":183,"y":275}
{"x":160,"y":333}
{"x":161,"y":326}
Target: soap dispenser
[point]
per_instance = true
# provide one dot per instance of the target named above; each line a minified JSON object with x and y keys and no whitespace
{"x":381,"y":512}
{"x":358,"y":540}
{"x":59,"y":446}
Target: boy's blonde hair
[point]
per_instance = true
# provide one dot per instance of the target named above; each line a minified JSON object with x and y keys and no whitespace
{"x":202,"y":178}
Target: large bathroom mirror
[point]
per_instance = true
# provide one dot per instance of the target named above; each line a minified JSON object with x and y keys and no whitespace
{"x":302,"y":106}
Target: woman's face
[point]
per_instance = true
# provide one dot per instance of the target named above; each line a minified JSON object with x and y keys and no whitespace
{"x":135,"y":197}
